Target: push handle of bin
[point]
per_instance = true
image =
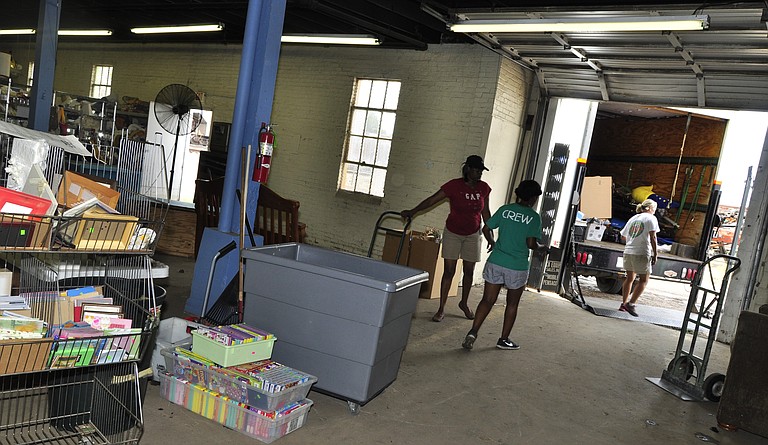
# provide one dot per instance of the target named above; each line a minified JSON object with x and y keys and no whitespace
{"x":402,"y":232}
{"x":228,"y":248}
{"x":223,"y":251}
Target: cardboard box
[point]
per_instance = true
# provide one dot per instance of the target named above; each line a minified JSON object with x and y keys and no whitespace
{"x":596,"y":196}
{"x":24,"y":355}
{"x":103,"y":231}
{"x":51,"y":308}
{"x":423,"y":254}
{"x":75,"y":188}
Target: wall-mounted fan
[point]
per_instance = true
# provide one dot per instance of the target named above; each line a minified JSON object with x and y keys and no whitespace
{"x":173,"y":106}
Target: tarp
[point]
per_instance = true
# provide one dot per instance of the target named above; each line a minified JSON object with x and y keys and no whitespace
{"x":69,"y":143}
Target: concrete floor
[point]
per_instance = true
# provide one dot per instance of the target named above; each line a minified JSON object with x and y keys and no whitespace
{"x":577,"y":379}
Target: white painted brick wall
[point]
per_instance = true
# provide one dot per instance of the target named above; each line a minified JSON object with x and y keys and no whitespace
{"x":449,"y":94}
{"x":446,"y":97}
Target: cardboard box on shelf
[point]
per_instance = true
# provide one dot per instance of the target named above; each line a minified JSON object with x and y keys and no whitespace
{"x":104,"y":231}
{"x":596,"y":196}
{"x":75,"y":188}
{"x":425,"y":254}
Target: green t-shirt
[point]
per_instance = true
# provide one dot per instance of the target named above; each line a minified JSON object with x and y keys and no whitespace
{"x":516,"y":223}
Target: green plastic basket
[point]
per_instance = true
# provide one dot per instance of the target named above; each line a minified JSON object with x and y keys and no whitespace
{"x":234,"y":355}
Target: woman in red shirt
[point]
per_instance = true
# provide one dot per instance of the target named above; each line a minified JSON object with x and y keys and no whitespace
{"x":468,"y":198}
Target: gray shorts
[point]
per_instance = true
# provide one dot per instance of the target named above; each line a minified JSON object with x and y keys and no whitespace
{"x":465,"y":247}
{"x":640,"y":264}
{"x":511,"y":279}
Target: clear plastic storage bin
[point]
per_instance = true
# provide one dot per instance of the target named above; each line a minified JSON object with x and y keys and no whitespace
{"x":238,"y":389}
{"x":264,"y":426}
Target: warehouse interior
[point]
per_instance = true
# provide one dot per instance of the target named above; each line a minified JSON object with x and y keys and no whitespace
{"x":492,"y":94}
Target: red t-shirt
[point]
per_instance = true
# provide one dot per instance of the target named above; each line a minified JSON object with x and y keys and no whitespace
{"x":467,"y":204}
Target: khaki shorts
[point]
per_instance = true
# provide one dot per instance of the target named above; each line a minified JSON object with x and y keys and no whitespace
{"x":640,"y":264}
{"x":465,"y":247}
{"x":511,"y":279}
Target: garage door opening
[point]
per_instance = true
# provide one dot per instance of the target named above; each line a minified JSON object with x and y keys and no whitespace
{"x":677,"y":154}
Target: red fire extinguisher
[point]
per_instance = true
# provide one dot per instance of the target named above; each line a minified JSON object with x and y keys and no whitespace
{"x":264,"y":158}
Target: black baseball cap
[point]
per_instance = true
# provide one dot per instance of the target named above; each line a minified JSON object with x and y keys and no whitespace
{"x":475,"y":161}
{"x":528,"y":189}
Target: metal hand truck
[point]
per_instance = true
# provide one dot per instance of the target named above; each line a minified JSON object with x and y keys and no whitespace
{"x":685,"y":375}
{"x":403,"y":233}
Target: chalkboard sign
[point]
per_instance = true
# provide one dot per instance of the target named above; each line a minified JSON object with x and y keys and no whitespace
{"x":539,"y":275}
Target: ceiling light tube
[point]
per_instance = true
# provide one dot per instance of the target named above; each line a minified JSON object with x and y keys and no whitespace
{"x":331,"y":39}
{"x":16,"y":31}
{"x":85,"y":32}
{"x":651,"y":23}
{"x":175,"y":29}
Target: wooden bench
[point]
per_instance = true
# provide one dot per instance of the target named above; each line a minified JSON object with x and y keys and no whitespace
{"x":277,"y":218}
{"x":207,"y":206}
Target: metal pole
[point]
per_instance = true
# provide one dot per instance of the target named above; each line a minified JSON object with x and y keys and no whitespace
{"x":742,"y":214}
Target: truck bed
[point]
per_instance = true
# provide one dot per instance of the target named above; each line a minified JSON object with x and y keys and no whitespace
{"x":594,"y":257}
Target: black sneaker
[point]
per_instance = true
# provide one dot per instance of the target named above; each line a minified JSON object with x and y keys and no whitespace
{"x":469,"y":341}
{"x":504,"y":343}
{"x":631,"y":309}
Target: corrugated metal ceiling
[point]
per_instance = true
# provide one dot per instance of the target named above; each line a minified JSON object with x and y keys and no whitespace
{"x":725,"y":66}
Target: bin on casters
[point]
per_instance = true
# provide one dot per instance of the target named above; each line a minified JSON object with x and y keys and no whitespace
{"x":343,"y":318}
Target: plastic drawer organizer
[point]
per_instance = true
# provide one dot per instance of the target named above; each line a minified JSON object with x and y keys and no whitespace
{"x":266,"y":385}
{"x":262,"y":425}
{"x":343,"y":318}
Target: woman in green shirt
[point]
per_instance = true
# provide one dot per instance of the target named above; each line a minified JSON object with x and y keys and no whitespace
{"x":507,"y":266}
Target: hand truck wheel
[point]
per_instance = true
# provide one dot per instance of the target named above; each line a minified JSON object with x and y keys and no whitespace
{"x":713,"y":387}
{"x":682,"y":367}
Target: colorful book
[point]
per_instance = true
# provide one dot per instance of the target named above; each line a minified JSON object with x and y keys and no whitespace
{"x":71,"y":353}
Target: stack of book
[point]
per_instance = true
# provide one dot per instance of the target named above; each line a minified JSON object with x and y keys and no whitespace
{"x":13,"y":303}
{"x":236,"y":334}
{"x":14,"y":326}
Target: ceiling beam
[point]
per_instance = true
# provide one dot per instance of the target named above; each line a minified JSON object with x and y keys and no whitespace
{"x":583,"y":57}
{"x":334,"y":11}
{"x":701,"y":92}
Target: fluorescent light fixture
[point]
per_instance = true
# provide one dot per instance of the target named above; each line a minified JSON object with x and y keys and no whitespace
{"x":16,"y":31}
{"x":331,"y":39}
{"x":650,"y":23}
{"x":175,"y":29}
{"x":85,"y":32}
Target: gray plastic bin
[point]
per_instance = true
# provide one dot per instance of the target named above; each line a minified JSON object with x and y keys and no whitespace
{"x":343,"y":318}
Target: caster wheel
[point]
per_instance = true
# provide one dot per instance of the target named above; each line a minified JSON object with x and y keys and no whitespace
{"x":682,"y":367}
{"x":713,"y":387}
{"x":354,"y":408}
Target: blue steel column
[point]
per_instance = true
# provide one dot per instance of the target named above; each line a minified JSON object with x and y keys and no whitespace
{"x":253,"y":102}
{"x":253,"y":105}
{"x":46,"y":40}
